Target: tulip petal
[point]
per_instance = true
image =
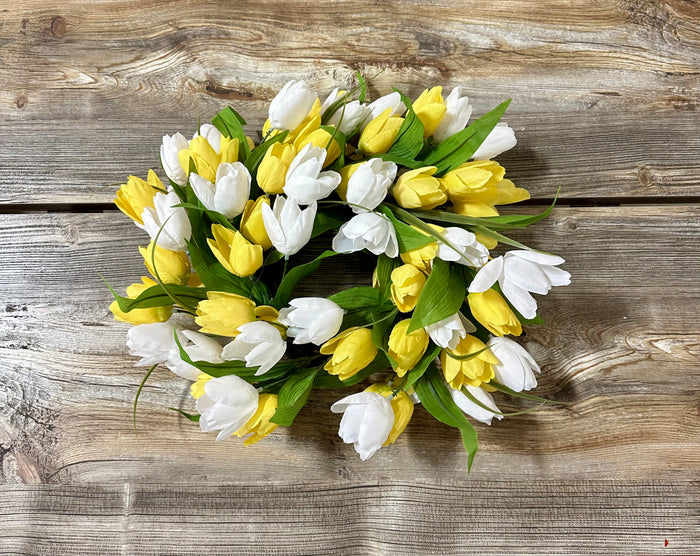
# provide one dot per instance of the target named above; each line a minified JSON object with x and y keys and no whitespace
{"x":487,"y":276}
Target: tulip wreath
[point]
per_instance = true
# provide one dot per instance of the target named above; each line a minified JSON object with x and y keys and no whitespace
{"x":409,"y":182}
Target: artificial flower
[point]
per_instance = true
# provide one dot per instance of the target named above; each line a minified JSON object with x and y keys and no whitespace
{"x":229,"y":194}
{"x":469,"y":251}
{"x":401,"y":405}
{"x":168,"y":222}
{"x":259,"y":425}
{"x":273,"y":168}
{"x":369,"y":230}
{"x":391,"y":102}
{"x":288,"y":227}
{"x":366,"y":184}
{"x":137,"y":194}
{"x":206,"y":159}
{"x":515,"y":368}
{"x":352,"y":350}
{"x":422,"y":257}
{"x":222,"y":313}
{"x":406,"y":284}
{"x":198,"y":347}
{"x":259,"y":344}
{"x":475,"y":410}
{"x":430,"y":109}
{"x":227,"y":404}
{"x":169,"y":157}
{"x":406,"y":349}
{"x":448,"y":332}
{"x":320,"y":139}
{"x":252,"y":224}
{"x":152,"y":342}
{"x":520,"y":272}
{"x":472,"y":371}
{"x":305,"y":182}
{"x":291,"y":105}
{"x":501,"y":138}
{"x":212,"y":135}
{"x":172,"y":267}
{"x":492,"y":311}
{"x":458,"y":111}
{"x":141,"y":316}
{"x":380,"y":133}
{"x":349,"y":116}
{"x":234,"y":251}
{"x":419,"y":189}
{"x":311,"y":319}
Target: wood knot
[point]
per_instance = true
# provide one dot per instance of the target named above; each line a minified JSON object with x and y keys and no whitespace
{"x":71,"y":233}
{"x":21,"y":101}
{"x":645,"y":176}
{"x":570,"y":224}
{"x":58,"y":26}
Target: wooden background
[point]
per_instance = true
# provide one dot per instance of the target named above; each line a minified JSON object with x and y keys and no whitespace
{"x":605,"y":105}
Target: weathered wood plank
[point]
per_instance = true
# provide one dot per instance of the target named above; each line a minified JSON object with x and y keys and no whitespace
{"x":621,"y":343}
{"x":359,"y":517}
{"x":604,"y":97}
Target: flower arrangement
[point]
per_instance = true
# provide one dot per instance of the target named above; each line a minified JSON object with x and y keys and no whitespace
{"x":409,"y":182}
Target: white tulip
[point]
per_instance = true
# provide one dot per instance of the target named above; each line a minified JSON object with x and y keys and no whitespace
{"x":517,"y":368}
{"x":471,"y":252}
{"x":230,"y":193}
{"x":172,"y":145}
{"x":259,"y":344}
{"x":448,"y":332}
{"x":152,"y":342}
{"x":288,"y":227}
{"x":475,"y":410}
{"x":291,"y":105}
{"x":202,"y":348}
{"x":330,"y":99}
{"x":174,"y":221}
{"x":369,"y":230}
{"x":367,"y":421}
{"x":305,"y":182}
{"x":211,"y":134}
{"x":392,"y":100}
{"x":456,"y":117}
{"x":501,"y":138}
{"x":227,"y":404}
{"x":347,"y":117}
{"x":520,"y":272}
{"x":369,"y":183}
{"x":311,"y":319}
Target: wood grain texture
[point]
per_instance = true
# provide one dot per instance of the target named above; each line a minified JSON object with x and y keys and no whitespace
{"x":604,"y":97}
{"x":354,"y":518}
{"x":618,"y":344}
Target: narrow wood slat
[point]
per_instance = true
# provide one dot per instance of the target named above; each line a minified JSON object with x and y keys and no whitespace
{"x":361,"y":517}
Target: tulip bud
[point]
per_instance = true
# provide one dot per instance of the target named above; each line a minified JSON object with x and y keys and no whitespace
{"x":227,"y":404}
{"x":322,"y":139}
{"x":469,"y":251}
{"x":173,"y":266}
{"x":311,"y":319}
{"x":472,"y":371}
{"x":430,"y":109}
{"x":305,"y":182}
{"x":515,"y":368}
{"x":391,"y":102}
{"x":170,"y":158}
{"x":406,"y":284}
{"x":229,"y":194}
{"x":259,"y":425}
{"x":456,"y":117}
{"x":291,"y":105}
{"x":211,"y":134}
{"x":205,"y":158}
{"x":352,"y":351}
{"x":380,"y":133}
{"x":273,"y":167}
{"x":167,"y":222}
{"x":406,"y":349}
{"x":422,"y":257}
{"x":501,"y":138}
{"x":366,"y":184}
{"x":418,"y":189}
{"x":492,"y":311}
{"x":141,"y":316}
{"x":475,"y":410}
{"x":349,"y":116}
{"x":401,"y":404}
{"x":136,"y":194}
{"x":235,"y":252}
{"x":288,"y":227}
{"x":198,"y":347}
{"x":448,"y":332}
{"x":259,"y":344}
{"x":369,"y":230}
{"x":222,"y":313}
{"x":152,"y":342}
{"x":252,"y":224}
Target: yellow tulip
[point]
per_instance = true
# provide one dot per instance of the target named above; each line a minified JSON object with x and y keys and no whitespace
{"x":197,"y":387}
{"x":222,"y":313}
{"x":352,"y":351}
{"x":259,"y":425}
{"x":407,"y":349}
{"x":419,"y":189}
{"x":235,"y":252}
{"x":141,"y":316}
{"x":252,"y":225}
{"x":346,"y":173}
{"x":401,"y":404}
{"x":137,"y":194}
{"x":475,"y":188}
{"x":273,"y":167}
{"x":320,"y":138}
{"x":430,"y":109}
{"x":309,"y":124}
{"x":228,"y":150}
{"x":492,"y":311}
{"x":205,"y":158}
{"x":407,"y":282}
{"x":269,"y":314}
{"x":380,"y":133}
{"x":468,"y":372}
{"x":173,"y":266}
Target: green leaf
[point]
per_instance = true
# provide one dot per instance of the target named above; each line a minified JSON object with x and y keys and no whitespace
{"x":138,"y":392}
{"x":502,"y":388}
{"x":398,"y":159}
{"x":294,"y":276}
{"x":408,"y":237}
{"x":155,"y":296}
{"x":293,"y":396}
{"x":409,"y":139}
{"x":500,"y":237}
{"x":385,"y":266}
{"x":461,"y":146}
{"x":356,"y":298}
{"x":380,"y":364}
{"x":465,"y":357}
{"x":441,"y":297}
{"x":192,"y":417}
{"x":416,"y":372}
{"x":258,"y":153}
{"x":436,"y":399}
{"x":230,"y":123}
